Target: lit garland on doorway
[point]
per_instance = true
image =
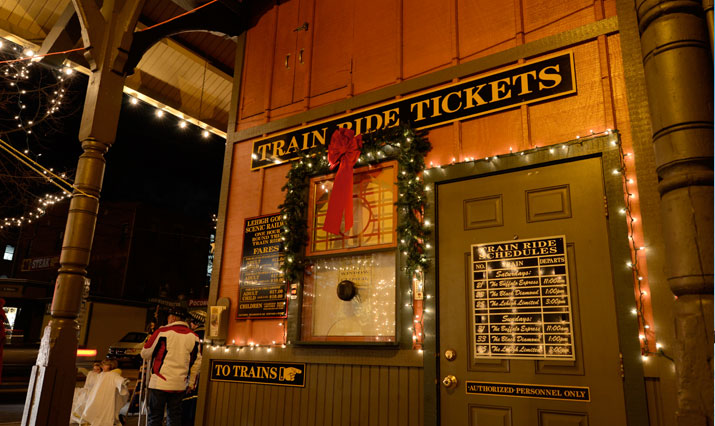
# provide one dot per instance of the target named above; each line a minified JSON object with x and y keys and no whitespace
{"x":378,"y":147}
{"x":634,"y":262}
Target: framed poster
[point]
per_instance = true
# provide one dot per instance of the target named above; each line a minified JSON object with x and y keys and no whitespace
{"x":262,"y":293}
{"x":521,"y":300}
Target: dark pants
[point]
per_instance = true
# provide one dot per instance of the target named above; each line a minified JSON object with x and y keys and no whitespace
{"x":159,"y":399}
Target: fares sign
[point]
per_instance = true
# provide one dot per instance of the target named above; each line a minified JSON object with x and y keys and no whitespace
{"x":521,"y":300}
{"x":262,"y":293}
{"x":523,"y":84}
{"x":264,"y":373}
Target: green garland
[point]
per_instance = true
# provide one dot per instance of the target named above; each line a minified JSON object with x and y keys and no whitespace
{"x":400,"y":143}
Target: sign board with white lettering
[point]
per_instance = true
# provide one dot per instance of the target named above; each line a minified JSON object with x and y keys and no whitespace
{"x":521,"y":300}
{"x":262,"y":293}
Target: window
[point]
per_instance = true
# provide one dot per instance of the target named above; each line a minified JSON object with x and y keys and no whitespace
{"x":373,"y":212}
{"x":350,"y":278}
{"x":9,"y":252}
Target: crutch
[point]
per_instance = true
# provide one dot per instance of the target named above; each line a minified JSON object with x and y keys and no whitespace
{"x":143,"y":393}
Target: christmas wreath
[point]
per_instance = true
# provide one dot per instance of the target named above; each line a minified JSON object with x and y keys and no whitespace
{"x":401,"y":143}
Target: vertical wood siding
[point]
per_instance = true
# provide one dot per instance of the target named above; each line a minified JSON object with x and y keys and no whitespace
{"x":334,"y":395}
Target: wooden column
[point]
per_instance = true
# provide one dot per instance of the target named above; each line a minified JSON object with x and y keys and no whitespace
{"x":106,"y":33}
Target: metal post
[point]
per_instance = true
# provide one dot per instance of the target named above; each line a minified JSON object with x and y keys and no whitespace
{"x":708,"y":8}
{"x":679,"y":80}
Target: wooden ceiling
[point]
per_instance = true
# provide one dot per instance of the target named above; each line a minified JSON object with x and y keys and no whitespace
{"x":189,"y":74}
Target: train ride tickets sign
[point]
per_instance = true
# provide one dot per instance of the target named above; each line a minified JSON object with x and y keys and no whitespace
{"x":521,"y":300}
{"x":535,"y":81}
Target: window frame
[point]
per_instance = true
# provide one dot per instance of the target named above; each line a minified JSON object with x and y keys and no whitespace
{"x":306,"y":314}
{"x":314,"y":182}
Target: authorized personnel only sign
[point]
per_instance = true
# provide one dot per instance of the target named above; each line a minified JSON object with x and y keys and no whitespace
{"x":567,"y":393}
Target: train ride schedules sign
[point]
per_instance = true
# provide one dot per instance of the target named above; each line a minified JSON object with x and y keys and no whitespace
{"x":521,"y":300}
{"x":262,"y":293}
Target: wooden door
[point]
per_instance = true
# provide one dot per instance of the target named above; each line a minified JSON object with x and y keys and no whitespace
{"x":531,"y":321}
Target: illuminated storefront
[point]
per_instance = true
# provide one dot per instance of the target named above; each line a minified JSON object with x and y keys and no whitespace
{"x":501,"y":261}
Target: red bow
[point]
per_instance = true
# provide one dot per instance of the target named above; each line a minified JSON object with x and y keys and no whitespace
{"x":344,"y":150}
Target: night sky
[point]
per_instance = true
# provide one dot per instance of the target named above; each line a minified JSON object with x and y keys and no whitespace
{"x":152,"y":160}
{"x":155,"y":161}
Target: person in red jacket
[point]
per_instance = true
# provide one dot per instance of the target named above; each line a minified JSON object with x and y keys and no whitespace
{"x":174,"y":356}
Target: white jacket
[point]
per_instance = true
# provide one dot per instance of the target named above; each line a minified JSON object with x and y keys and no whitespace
{"x":175,"y":357}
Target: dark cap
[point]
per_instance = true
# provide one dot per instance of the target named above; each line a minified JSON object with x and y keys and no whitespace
{"x":178,"y":312}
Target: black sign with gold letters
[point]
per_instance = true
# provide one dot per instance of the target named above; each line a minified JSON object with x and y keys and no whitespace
{"x":262,"y":293}
{"x":523,"y":84}
{"x":565,"y":393}
{"x":521,"y":299}
{"x":264,"y":373}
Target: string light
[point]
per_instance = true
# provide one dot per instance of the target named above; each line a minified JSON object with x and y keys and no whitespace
{"x":642,"y":300}
{"x":633,"y":264}
{"x":43,"y":102}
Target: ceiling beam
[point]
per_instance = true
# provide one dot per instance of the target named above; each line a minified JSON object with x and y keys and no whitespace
{"x":212,"y":18}
{"x":66,"y":34}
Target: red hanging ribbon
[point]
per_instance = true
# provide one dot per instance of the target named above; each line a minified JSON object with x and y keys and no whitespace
{"x":343,"y":151}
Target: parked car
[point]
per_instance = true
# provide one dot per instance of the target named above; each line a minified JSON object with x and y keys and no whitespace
{"x":129,"y":347}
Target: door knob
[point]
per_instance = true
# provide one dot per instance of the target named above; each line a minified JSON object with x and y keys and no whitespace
{"x":449,"y":381}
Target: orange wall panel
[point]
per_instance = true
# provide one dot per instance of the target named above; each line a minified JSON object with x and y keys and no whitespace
{"x":258,"y":59}
{"x":252,"y":193}
{"x":376,"y":47}
{"x":284,"y":55}
{"x":273,"y":181}
{"x":332,"y":46}
{"x":427,"y":31}
{"x":542,"y":13}
{"x":563,"y":119}
{"x":484,"y":24}
{"x":493,"y":134}
{"x":609,"y":7}
{"x":508,"y":44}
{"x":243,"y":199}
{"x":445,"y":145}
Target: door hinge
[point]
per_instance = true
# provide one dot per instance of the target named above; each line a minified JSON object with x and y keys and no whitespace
{"x":622,"y":369}
{"x":605,"y":205}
